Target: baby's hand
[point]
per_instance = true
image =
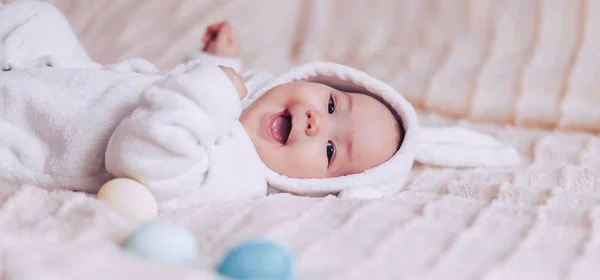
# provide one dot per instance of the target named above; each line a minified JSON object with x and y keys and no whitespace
{"x":237,"y":81}
{"x":220,"y":39}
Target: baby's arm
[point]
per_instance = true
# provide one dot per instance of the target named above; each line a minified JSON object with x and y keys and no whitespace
{"x":165,"y":143}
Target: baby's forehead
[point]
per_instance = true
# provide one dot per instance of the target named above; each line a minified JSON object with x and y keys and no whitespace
{"x":375,"y":132}
{"x":308,"y":85}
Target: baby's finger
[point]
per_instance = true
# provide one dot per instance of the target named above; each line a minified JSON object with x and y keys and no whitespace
{"x":226,"y":27}
{"x":233,"y":37}
{"x":209,"y":36}
{"x":216,"y":27}
{"x":226,"y":33}
{"x":222,"y":39}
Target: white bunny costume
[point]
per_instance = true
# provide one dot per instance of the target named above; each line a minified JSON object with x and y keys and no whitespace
{"x":77,"y":124}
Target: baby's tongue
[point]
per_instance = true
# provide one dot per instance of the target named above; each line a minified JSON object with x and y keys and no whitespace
{"x":281,"y":129}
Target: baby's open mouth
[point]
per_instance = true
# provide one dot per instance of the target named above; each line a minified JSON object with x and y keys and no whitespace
{"x":281,"y":126}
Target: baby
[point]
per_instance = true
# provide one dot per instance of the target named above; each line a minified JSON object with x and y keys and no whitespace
{"x":201,"y":131}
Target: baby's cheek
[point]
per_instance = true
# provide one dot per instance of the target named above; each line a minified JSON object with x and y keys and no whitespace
{"x":308,"y":162}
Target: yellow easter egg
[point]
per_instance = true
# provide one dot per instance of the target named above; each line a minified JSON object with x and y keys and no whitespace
{"x":130,"y":198}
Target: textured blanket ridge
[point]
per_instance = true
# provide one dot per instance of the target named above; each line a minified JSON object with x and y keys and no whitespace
{"x":530,"y":63}
{"x":483,"y":61}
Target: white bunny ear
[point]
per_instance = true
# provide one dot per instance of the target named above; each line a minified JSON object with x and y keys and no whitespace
{"x":459,"y":147}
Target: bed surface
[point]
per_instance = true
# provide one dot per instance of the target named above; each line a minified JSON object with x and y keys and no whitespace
{"x":526,"y":72}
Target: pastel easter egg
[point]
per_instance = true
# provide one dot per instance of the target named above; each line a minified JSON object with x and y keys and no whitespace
{"x":163,"y":242}
{"x":258,"y":259}
{"x":129,"y":198}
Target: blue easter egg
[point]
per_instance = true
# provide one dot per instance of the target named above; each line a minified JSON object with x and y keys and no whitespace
{"x":258,"y":259}
{"x":163,"y":242}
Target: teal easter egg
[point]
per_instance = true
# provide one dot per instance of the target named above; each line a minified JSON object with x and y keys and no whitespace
{"x":258,"y":259}
{"x":163,"y":242}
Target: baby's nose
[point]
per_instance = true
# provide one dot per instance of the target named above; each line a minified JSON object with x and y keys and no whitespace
{"x":312,"y":123}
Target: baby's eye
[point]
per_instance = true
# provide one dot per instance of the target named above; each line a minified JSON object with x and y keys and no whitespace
{"x":330,"y":151}
{"x":331,"y":105}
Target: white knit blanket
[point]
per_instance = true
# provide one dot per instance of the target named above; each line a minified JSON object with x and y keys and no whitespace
{"x":536,"y":222}
{"x":480,"y":60}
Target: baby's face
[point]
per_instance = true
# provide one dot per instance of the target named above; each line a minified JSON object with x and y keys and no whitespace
{"x":310,"y":130}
